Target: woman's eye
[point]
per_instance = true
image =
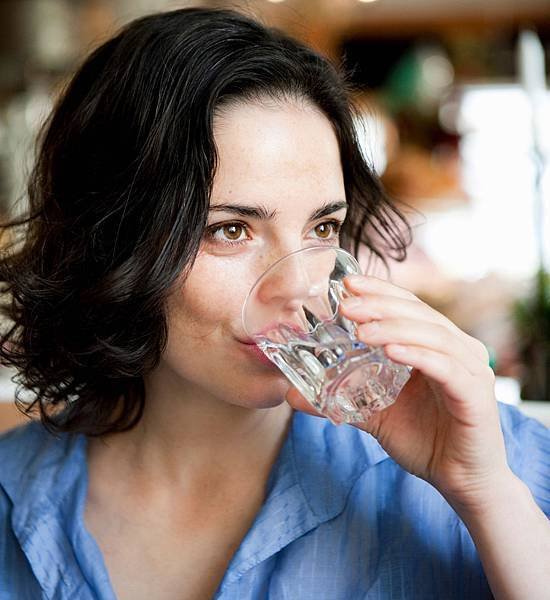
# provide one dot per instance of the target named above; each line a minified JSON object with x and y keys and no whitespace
{"x":232,"y":232}
{"x":229,"y":233}
{"x":327,"y":230}
{"x":237,"y":233}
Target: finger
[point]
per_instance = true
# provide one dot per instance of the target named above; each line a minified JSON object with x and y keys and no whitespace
{"x":431,"y":336}
{"x":455,"y":380}
{"x":380,"y":306}
{"x":366,"y":283}
{"x":369,"y":307}
{"x":365,"y":287}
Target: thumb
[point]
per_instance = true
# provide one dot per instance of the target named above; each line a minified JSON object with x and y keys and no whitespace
{"x":298,"y":402}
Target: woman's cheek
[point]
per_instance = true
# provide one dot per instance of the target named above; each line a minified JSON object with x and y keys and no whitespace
{"x":214,"y":291}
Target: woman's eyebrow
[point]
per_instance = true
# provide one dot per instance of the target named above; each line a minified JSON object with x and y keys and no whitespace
{"x":327,"y":209}
{"x":261,"y":213}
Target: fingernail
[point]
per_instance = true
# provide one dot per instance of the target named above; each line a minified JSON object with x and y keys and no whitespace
{"x":351,"y":302}
{"x":371,"y":327}
{"x":354,"y":279}
{"x":395,"y":349}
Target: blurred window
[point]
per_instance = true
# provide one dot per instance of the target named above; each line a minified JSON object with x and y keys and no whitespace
{"x":494,"y":232}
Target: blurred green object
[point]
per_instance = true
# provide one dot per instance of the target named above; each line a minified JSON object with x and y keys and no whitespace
{"x":401,"y":88}
{"x":492,"y":357}
{"x":532,"y":319}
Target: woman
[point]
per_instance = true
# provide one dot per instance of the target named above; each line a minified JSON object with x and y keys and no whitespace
{"x":188,"y":154}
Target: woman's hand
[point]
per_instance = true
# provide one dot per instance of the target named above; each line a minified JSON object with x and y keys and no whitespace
{"x":444,"y":426}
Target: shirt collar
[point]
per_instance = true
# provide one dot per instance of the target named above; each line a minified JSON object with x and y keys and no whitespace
{"x":42,"y":479}
{"x":309,"y":484}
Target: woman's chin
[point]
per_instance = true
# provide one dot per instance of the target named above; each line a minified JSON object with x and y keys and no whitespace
{"x":267,"y":397}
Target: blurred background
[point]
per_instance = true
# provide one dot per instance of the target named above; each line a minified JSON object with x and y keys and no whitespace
{"x":454,"y":117}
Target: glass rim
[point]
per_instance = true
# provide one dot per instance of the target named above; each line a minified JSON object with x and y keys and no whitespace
{"x":336,"y":249}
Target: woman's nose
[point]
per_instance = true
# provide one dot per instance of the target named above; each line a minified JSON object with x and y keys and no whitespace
{"x":289,"y":284}
{"x":294,"y":291}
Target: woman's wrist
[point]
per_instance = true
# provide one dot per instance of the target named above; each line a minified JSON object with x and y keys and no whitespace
{"x":495,"y":495}
{"x":512,"y":537}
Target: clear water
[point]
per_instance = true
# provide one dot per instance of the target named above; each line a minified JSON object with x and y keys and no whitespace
{"x":343,"y":378}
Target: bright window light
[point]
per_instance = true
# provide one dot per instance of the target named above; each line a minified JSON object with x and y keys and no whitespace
{"x":495,"y":231}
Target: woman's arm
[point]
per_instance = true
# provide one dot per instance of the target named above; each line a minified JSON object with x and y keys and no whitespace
{"x":445,"y":428}
{"x":512,"y":536}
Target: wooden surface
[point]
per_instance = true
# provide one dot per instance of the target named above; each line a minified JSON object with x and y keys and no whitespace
{"x":10,"y":416}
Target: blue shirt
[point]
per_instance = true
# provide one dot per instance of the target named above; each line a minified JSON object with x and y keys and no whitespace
{"x":341,"y":521}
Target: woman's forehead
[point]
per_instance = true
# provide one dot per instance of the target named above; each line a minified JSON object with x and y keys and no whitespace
{"x":274,"y":150}
{"x":257,"y":133}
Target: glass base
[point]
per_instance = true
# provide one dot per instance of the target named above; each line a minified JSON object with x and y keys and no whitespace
{"x":368,"y":384}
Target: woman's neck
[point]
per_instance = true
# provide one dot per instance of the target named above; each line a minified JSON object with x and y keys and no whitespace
{"x":188,"y":440}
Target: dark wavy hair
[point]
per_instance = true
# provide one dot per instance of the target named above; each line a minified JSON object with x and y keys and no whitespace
{"x":119,"y":197}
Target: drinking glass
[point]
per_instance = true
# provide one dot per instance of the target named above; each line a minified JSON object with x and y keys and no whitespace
{"x":291,"y":313}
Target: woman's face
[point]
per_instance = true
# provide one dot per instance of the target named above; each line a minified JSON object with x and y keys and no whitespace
{"x":279,"y":165}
